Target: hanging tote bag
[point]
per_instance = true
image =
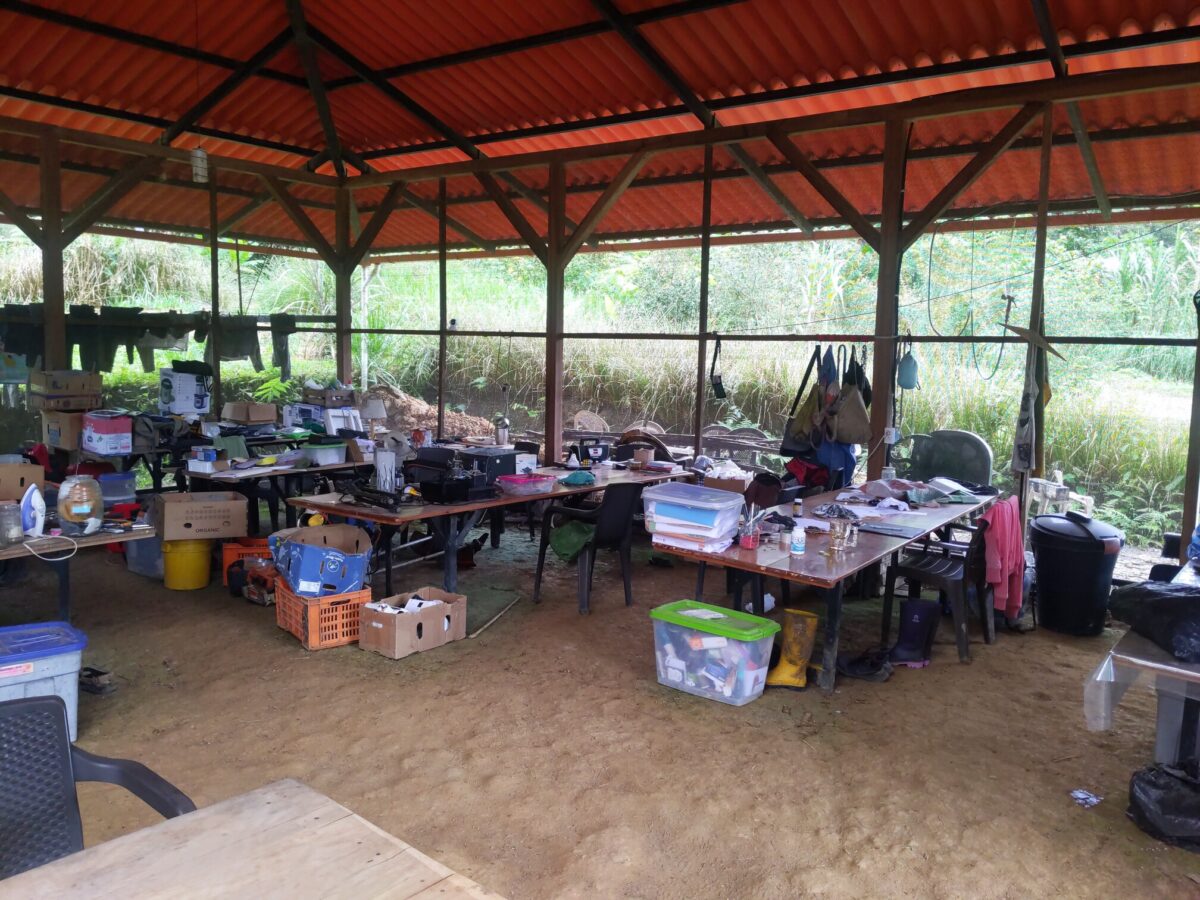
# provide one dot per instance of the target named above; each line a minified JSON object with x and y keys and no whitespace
{"x":852,"y":423}
{"x":802,"y":434}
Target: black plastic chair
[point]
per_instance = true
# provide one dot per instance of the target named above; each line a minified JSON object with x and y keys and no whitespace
{"x":948,"y":567}
{"x":613,"y":519}
{"x":39,"y":767}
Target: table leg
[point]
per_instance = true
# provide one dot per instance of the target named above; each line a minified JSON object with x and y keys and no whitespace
{"x":154,"y":464}
{"x":496,"y":520}
{"x":386,"y":533}
{"x":757,"y":601}
{"x":833,"y":626}
{"x":701,"y":569}
{"x":62,"y":568}
{"x":452,"y":529}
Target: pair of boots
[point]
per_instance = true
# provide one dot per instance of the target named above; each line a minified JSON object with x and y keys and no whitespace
{"x":799,"y":633}
{"x":918,"y":624}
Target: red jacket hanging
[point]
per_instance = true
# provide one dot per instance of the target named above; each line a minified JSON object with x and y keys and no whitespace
{"x":1004,"y":550}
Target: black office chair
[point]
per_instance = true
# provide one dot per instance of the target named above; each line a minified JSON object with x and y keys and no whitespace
{"x":39,"y":767}
{"x":613,"y":519}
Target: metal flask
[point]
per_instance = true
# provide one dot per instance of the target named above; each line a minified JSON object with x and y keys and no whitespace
{"x":501,"y":425}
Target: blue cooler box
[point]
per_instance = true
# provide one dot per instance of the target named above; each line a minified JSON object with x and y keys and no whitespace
{"x":42,"y":660}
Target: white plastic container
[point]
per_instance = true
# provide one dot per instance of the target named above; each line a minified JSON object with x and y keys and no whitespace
{"x":696,"y":506}
{"x":719,"y":654}
{"x":42,"y":660}
{"x":325,"y":454}
{"x":145,"y":557}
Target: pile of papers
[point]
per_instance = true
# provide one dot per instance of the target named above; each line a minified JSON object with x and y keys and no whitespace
{"x":692,"y":517}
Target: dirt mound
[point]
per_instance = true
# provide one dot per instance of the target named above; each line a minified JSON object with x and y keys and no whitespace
{"x":406,"y":412}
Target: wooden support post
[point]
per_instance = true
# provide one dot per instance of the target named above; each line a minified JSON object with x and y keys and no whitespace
{"x":443,"y":305}
{"x":54,"y":299}
{"x":702,"y":344}
{"x":887,"y":310}
{"x":342,"y":271}
{"x":214,"y":256}
{"x":1191,"y":478}
{"x":556,"y":266}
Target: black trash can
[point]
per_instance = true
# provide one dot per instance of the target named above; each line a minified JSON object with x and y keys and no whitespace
{"x":1075,"y":556}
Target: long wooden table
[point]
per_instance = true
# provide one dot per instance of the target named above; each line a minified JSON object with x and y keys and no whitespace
{"x":820,"y":568}
{"x":281,"y":485}
{"x":57,"y":553}
{"x":284,"y":840}
{"x":451,"y":522}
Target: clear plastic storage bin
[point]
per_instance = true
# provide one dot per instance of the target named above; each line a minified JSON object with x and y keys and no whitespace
{"x":721,"y":654}
{"x":42,"y":660}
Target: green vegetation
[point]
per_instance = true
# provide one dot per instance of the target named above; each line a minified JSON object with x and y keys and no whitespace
{"x":1116,"y":427}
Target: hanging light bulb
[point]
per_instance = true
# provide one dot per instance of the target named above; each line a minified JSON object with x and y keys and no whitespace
{"x":199,"y":165}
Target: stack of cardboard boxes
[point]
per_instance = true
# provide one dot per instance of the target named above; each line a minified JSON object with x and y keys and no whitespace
{"x":64,"y":397}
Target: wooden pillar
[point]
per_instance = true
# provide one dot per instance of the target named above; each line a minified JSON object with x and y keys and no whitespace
{"x":214,"y":256}
{"x":556,"y":263}
{"x":443,"y":305}
{"x":54,"y":301}
{"x":887,"y":293}
{"x":1191,"y":478}
{"x":702,"y":344}
{"x":341,"y":280}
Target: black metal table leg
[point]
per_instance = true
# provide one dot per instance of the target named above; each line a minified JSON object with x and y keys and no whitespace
{"x":452,"y":529}
{"x":62,"y":568}
{"x":833,"y":626}
{"x":386,"y":533}
{"x":496,"y":520}
{"x":701,"y":569}
{"x":758,"y":602}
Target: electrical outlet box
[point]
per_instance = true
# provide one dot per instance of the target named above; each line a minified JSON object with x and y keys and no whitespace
{"x":891,"y":435}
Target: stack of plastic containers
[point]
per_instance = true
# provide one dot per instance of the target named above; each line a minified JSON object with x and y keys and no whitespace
{"x":692,"y":517}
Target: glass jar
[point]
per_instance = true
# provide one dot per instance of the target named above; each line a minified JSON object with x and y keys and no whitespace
{"x":79,"y":499}
{"x":11,"y":531}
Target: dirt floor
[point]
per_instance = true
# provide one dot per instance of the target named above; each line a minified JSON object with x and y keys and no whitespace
{"x":543,"y":760}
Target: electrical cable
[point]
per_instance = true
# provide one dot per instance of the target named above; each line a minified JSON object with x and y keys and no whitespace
{"x":52,"y":537}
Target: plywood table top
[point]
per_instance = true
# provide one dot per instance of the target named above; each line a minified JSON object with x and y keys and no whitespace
{"x":284,"y":840}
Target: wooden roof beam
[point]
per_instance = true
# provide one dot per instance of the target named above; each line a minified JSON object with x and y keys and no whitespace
{"x":106,"y":197}
{"x":528,"y":233}
{"x":316,"y":87}
{"x":603,"y":204}
{"x":17,"y":216}
{"x":306,"y":225}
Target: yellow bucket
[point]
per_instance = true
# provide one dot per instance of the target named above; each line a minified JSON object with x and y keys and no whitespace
{"x":187,"y":565}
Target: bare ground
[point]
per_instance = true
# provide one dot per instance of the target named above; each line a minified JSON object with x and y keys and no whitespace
{"x":543,"y":760}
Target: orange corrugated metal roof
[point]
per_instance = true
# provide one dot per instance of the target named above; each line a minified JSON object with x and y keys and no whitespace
{"x":519,"y":76}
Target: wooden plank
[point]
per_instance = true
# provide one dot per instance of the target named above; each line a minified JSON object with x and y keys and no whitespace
{"x":306,"y":225}
{"x":55,"y":546}
{"x":17,"y":217}
{"x":54,"y":302}
{"x":316,"y":86}
{"x":825,"y":188}
{"x":603,"y":204}
{"x":970,"y":172}
{"x":530,"y":236}
{"x":770,"y":188}
{"x":891,"y":252}
{"x":378,"y":219}
{"x":214,"y":289}
{"x":443,"y":311}
{"x":434,"y":210}
{"x":702,"y":344}
{"x":343,"y":301}
{"x":556,"y":266}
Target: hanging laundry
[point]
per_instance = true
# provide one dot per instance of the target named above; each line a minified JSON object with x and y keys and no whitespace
{"x":239,"y":340}
{"x":1004,"y":551}
{"x":283,"y":326}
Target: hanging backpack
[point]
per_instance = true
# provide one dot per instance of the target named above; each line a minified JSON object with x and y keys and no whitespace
{"x":802,"y":434}
{"x":851,"y":424}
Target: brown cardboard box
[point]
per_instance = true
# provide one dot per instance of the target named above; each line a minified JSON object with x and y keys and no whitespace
{"x":734,"y":485}
{"x":83,"y":403}
{"x":62,"y":429}
{"x":64,"y":383}
{"x":202,"y":516}
{"x":250,"y":413}
{"x":398,"y":635}
{"x":15,"y":479}
{"x":330,"y":398}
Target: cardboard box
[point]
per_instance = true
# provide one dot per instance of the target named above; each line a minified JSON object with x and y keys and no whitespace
{"x":76,"y":404}
{"x":316,"y":562}
{"x":182,"y":393}
{"x":108,"y":432}
{"x":330,"y":398}
{"x":250,"y":413}
{"x":396,"y":635}
{"x":15,"y":479}
{"x":202,"y":516}
{"x":207,"y":466}
{"x":64,"y":383}
{"x":360,"y":450}
{"x":734,"y":485}
{"x":63,"y":430}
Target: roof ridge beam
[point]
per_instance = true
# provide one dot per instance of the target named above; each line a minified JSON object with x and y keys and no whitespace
{"x":306,"y":47}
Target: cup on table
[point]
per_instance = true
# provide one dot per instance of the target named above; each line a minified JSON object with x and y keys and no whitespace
{"x":839,"y":531}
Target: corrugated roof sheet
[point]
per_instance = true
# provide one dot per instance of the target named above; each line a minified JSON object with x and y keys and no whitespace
{"x":507,"y":73}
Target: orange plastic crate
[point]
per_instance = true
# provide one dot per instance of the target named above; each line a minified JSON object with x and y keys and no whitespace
{"x":241,"y":548}
{"x":319,"y":622}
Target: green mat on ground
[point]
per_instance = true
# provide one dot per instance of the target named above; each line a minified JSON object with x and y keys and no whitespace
{"x":484,"y":602}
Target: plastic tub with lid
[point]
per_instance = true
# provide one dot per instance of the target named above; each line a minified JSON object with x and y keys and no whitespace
{"x":691,"y":503}
{"x":118,"y":487}
{"x":41,"y":660}
{"x":1075,"y":556}
{"x":719,"y":654}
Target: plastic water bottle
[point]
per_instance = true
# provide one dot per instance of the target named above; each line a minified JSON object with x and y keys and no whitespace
{"x":798,"y":540}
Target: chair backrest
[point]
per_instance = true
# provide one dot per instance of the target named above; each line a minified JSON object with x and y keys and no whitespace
{"x":39,"y":811}
{"x":527,"y":447}
{"x":975,"y":562}
{"x":951,"y":454}
{"x":615,"y":522}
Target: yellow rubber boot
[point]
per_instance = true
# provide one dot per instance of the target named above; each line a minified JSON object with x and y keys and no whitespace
{"x":799,"y":635}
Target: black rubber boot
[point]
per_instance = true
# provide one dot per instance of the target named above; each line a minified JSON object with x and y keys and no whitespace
{"x":918,"y":624}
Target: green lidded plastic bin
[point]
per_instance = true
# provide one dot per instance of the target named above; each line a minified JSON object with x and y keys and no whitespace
{"x":721,"y":654}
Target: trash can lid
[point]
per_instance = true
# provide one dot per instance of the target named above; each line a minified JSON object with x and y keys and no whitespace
{"x":1076,"y":527}
{"x":21,"y":643}
{"x":730,"y":623}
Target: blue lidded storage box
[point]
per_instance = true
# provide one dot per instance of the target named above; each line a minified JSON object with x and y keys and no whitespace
{"x":42,"y":660}
{"x":329,"y":559}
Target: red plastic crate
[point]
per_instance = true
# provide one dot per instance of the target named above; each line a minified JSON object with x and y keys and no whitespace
{"x":319,"y":622}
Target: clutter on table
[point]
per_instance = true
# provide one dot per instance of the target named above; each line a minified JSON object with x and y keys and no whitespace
{"x":716,"y":653}
{"x":412,"y":622}
{"x":692,"y":517}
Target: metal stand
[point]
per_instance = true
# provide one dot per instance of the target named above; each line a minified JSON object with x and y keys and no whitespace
{"x":833,"y":626}
{"x":451,"y":529}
